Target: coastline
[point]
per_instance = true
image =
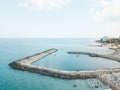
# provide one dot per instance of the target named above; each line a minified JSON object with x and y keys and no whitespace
{"x":114,"y":56}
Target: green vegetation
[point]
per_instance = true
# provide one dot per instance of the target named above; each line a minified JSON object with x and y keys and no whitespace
{"x":109,"y":40}
{"x":113,"y":40}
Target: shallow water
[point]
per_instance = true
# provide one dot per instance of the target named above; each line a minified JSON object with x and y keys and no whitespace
{"x":14,"y":49}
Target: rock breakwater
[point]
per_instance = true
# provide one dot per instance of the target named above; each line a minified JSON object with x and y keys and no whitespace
{"x":114,"y":56}
{"x":26,"y":65}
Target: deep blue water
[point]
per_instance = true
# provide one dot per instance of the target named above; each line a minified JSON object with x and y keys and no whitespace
{"x":13,"y":49}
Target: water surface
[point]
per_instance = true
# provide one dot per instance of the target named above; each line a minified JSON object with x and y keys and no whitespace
{"x":14,"y":49}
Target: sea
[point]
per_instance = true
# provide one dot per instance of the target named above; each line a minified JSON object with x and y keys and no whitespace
{"x":12,"y":49}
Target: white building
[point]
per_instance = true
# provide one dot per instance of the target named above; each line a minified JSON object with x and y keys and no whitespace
{"x":104,"y":39}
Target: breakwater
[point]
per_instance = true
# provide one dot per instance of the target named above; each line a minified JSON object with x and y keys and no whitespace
{"x":33,"y":58}
{"x":111,"y":80}
{"x":25,"y":64}
{"x":114,"y":56}
{"x":105,"y":76}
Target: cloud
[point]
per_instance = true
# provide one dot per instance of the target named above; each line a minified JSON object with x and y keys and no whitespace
{"x":43,"y":4}
{"x":106,"y":9}
{"x":107,"y":13}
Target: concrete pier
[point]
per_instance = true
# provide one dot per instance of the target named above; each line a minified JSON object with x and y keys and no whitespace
{"x":38,"y":56}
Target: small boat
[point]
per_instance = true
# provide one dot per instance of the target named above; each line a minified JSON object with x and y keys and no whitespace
{"x":108,"y":89}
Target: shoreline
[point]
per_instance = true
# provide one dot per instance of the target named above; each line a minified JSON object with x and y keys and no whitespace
{"x":114,"y":56}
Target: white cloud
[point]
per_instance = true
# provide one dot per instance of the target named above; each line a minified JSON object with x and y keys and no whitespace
{"x":107,"y":13}
{"x":106,"y":9}
{"x":43,"y":4}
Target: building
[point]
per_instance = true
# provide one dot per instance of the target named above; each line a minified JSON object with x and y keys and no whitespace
{"x":104,"y":39}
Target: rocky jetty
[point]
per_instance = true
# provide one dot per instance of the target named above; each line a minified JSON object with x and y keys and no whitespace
{"x":110,"y":77}
{"x":26,"y":65}
{"x":113,"y":80}
{"x":114,"y":56}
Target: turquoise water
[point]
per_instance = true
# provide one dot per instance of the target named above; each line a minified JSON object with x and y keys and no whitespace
{"x":13,"y":49}
{"x":64,"y":61}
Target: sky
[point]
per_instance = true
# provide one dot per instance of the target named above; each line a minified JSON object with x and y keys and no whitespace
{"x":59,"y":18}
